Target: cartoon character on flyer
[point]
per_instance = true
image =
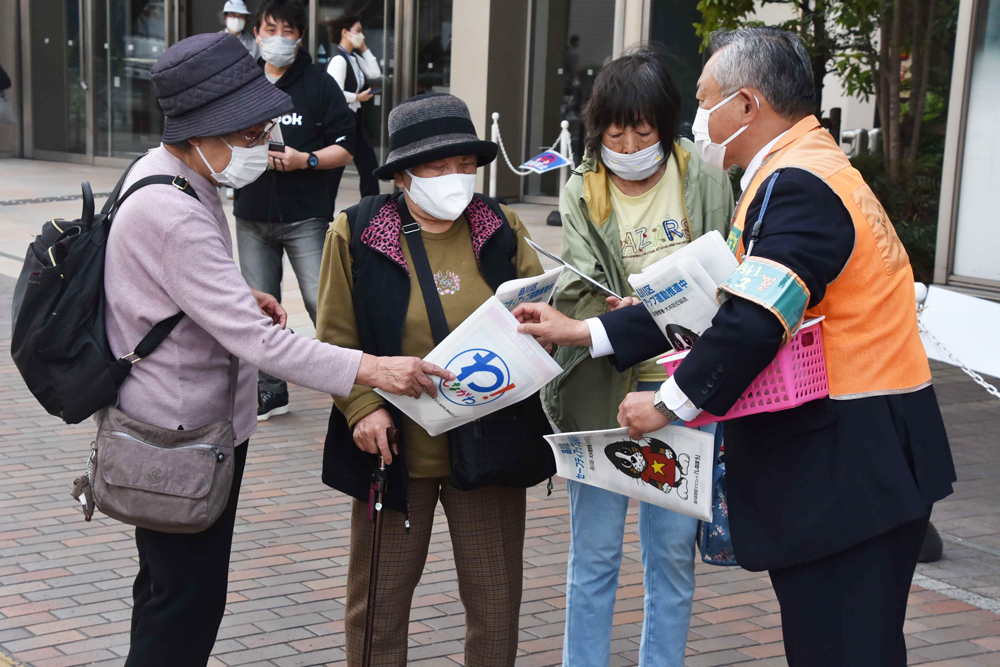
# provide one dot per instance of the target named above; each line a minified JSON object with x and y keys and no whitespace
{"x":653,"y":462}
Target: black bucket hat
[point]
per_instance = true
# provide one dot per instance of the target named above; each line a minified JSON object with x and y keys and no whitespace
{"x":431,"y":127}
{"x":209,"y":85}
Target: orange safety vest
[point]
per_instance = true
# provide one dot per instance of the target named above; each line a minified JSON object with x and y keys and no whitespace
{"x":870,"y":337}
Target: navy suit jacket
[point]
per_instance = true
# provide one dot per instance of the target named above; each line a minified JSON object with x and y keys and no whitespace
{"x":811,"y":481}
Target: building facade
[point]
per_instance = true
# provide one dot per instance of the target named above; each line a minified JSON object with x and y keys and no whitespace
{"x":967,"y":220}
{"x":82,"y":87}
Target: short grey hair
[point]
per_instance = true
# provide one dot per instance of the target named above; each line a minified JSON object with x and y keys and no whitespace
{"x":773,"y":61}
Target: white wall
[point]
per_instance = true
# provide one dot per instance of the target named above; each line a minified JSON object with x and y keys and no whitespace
{"x":471,"y":44}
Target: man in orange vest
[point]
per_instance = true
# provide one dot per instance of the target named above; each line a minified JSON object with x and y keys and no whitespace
{"x":833,"y":497}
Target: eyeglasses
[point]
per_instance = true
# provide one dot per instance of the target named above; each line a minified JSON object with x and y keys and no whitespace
{"x":254,"y":139}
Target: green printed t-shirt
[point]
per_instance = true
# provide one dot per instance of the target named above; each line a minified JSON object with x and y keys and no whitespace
{"x":651,"y":226}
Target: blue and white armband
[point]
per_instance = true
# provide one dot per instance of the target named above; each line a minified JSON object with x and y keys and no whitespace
{"x":772,"y":286}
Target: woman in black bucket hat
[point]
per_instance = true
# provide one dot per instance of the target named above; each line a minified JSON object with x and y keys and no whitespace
{"x":169,"y":253}
{"x":382,"y":258}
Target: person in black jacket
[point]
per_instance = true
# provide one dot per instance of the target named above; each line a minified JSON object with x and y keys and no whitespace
{"x":4,"y":80}
{"x":289,"y":209}
{"x":833,"y":497}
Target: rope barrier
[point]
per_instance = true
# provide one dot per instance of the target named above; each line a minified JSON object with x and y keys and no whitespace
{"x":566,"y":150}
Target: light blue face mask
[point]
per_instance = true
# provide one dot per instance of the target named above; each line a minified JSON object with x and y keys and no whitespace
{"x":277,"y":50}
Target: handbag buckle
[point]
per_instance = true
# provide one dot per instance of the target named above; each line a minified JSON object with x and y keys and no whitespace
{"x":411,"y":227}
{"x":180,"y":183}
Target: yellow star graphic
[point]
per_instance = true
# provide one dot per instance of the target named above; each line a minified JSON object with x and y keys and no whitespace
{"x":658,"y":468}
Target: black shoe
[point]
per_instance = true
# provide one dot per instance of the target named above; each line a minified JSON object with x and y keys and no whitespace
{"x":271,"y":404}
{"x":932,"y":548}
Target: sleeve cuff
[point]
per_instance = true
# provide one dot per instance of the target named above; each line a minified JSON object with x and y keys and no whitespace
{"x":366,"y":404}
{"x":677,"y":401}
{"x":600,"y":344}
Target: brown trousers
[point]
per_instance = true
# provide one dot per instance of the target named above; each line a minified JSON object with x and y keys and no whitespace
{"x":487,"y":536}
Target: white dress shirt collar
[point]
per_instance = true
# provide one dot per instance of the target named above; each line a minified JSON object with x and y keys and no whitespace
{"x":758,"y":160}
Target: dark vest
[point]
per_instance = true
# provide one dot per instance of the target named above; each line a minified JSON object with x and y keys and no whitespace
{"x":350,"y":80}
{"x":381,"y":298}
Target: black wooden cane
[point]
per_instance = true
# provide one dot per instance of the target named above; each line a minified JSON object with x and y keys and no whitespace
{"x":375,"y":495}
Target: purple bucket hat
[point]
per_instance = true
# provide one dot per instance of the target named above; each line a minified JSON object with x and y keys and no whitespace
{"x":208,"y":86}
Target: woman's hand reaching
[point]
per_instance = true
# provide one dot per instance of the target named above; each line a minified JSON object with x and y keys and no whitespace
{"x":405,"y":376}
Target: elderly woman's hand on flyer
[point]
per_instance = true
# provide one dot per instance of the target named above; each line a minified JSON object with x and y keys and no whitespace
{"x":370,"y":435}
{"x":405,"y":376}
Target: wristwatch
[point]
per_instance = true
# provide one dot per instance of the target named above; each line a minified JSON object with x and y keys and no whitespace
{"x":661,"y":407}
{"x":313,"y":161}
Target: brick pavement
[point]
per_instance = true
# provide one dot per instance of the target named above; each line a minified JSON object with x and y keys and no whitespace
{"x":65,"y":585}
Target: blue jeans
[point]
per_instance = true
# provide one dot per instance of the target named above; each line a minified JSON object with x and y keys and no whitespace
{"x":597,"y":527}
{"x":261,"y":246}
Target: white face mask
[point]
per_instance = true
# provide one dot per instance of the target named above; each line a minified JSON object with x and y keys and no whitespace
{"x":636,"y":166}
{"x":443,"y":197}
{"x":235,"y":24}
{"x":712,"y":153}
{"x":245,"y":166}
{"x":357,"y":39}
{"x":277,"y":50}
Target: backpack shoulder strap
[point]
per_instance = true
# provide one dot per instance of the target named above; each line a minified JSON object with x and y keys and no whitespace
{"x":178,"y":182}
{"x":113,"y":197}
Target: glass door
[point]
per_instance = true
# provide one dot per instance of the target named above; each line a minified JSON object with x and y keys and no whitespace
{"x":131,"y":36}
{"x":60,"y":98}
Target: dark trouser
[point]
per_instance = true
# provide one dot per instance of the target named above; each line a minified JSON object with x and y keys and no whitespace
{"x":848,"y":609}
{"x":261,"y":246}
{"x":180,"y":592}
{"x":364,"y":157}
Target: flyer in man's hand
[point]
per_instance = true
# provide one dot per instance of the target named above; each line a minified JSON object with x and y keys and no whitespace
{"x":671,"y":468}
{"x":495,"y":367}
{"x":538,"y":289}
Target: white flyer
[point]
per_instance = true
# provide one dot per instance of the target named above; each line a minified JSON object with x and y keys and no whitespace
{"x":538,"y":289}
{"x":709,"y":250}
{"x":671,"y":468}
{"x":675,"y":299}
{"x":495,"y":367}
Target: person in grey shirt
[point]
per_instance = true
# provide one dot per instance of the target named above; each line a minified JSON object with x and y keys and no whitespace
{"x":236,"y":17}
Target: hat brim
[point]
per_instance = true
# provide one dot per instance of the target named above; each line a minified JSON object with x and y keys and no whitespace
{"x":485,"y":151}
{"x":249,"y":105}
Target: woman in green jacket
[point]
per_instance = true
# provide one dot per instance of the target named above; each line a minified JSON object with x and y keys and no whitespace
{"x":639,"y":195}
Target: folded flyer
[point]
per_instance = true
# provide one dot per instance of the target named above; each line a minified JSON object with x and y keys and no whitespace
{"x":671,"y":468}
{"x":495,"y":367}
{"x":675,"y":300}
{"x":538,"y":289}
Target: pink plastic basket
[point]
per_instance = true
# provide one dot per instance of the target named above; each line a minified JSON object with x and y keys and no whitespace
{"x":796,"y":376}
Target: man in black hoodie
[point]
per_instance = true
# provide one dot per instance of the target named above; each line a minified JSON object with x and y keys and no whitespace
{"x":289,"y":208}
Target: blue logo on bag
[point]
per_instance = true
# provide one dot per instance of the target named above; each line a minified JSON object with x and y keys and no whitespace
{"x":482,"y":377}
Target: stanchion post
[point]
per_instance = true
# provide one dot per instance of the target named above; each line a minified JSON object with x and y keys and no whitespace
{"x":495,"y":138}
{"x":564,"y":150}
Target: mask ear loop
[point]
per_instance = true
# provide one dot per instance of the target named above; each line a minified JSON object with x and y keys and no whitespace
{"x":739,"y":131}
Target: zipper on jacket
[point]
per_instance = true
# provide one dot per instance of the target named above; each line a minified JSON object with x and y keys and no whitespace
{"x":219,"y":456}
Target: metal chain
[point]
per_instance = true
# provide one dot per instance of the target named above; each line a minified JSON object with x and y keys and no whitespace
{"x":976,"y":377}
{"x":524,"y":172}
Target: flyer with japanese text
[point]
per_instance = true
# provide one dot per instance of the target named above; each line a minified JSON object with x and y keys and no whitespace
{"x":671,"y":468}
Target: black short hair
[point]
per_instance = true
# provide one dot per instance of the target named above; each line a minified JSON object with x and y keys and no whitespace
{"x":633,"y":88}
{"x":337,"y":26}
{"x":292,"y":12}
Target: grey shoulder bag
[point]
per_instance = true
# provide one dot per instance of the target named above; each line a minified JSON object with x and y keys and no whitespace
{"x":161,"y":479}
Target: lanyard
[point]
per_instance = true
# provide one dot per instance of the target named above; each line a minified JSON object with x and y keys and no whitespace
{"x":354,"y":68}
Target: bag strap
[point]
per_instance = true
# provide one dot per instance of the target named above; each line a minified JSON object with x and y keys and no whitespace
{"x":161,"y":329}
{"x":755,"y":232}
{"x":422,"y":267}
{"x":178,"y":182}
{"x":113,"y":197}
{"x":234,"y":375}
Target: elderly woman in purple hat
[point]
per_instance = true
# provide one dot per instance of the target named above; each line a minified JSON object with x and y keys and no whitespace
{"x":397,"y":269}
{"x":168,"y":253}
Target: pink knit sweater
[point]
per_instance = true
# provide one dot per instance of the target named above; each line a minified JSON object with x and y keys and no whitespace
{"x":168,"y":252}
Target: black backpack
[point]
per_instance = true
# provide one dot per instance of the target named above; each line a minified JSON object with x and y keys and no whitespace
{"x":59,"y":343}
